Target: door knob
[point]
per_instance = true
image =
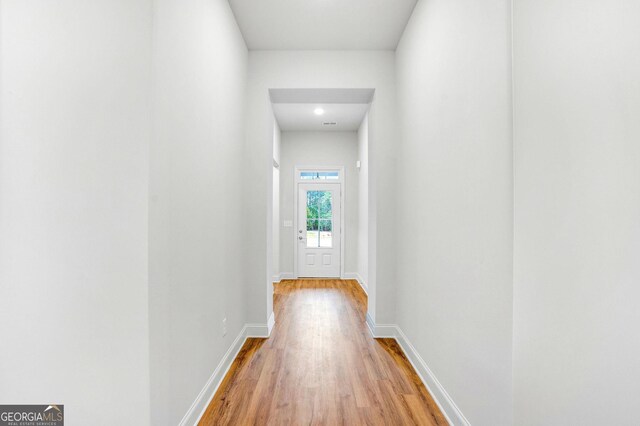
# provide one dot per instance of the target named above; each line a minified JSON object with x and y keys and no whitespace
{"x":300,"y":238}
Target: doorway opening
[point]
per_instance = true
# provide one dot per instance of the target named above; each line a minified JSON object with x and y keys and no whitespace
{"x":319,"y":202}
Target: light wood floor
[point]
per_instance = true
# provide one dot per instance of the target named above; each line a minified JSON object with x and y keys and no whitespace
{"x":321,"y":366}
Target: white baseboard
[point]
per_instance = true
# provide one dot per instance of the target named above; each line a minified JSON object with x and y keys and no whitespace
{"x":371,"y":325}
{"x":197,"y":409}
{"x":450,"y":410}
{"x":257,"y":330}
{"x":356,"y":276}
{"x":380,"y":330}
{"x":437,"y":391}
{"x":205,"y":396}
{"x":271,"y":323}
{"x":350,"y":276}
{"x":283,"y":276}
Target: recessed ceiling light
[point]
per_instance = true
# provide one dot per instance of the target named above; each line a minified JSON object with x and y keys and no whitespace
{"x":318,"y":111}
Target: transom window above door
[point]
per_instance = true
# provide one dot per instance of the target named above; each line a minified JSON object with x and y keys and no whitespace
{"x":320,"y":175}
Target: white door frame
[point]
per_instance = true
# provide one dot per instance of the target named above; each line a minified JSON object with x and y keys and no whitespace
{"x":296,"y":180}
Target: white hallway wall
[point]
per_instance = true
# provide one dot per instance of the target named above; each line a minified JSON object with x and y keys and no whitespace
{"x":319,"y":149}
{"x":195,"y":262}
{"x":363,"y":203}
{"x":74,"y":141}
{"x":277,"y":135}
{"x":319,"y":69}
{"x":111,"y":226}
{"x":455,"y":200}
{"x":577,"y":212}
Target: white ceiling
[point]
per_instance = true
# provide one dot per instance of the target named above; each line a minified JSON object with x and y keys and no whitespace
{"x":322,"y":24}
{"x":301,"y":117}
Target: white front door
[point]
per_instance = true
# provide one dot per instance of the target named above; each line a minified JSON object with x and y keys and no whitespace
{"x":318,"y":233}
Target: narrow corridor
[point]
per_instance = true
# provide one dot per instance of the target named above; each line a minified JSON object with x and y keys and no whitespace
{"x":321,"y":366}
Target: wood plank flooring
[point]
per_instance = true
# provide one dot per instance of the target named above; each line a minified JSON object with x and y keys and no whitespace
{"x":321,"y":367}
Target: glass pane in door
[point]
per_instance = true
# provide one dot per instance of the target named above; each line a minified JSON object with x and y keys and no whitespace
{"x":325,"y":233}
{"x":319,"y":219}
{"x":312,"y":232}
